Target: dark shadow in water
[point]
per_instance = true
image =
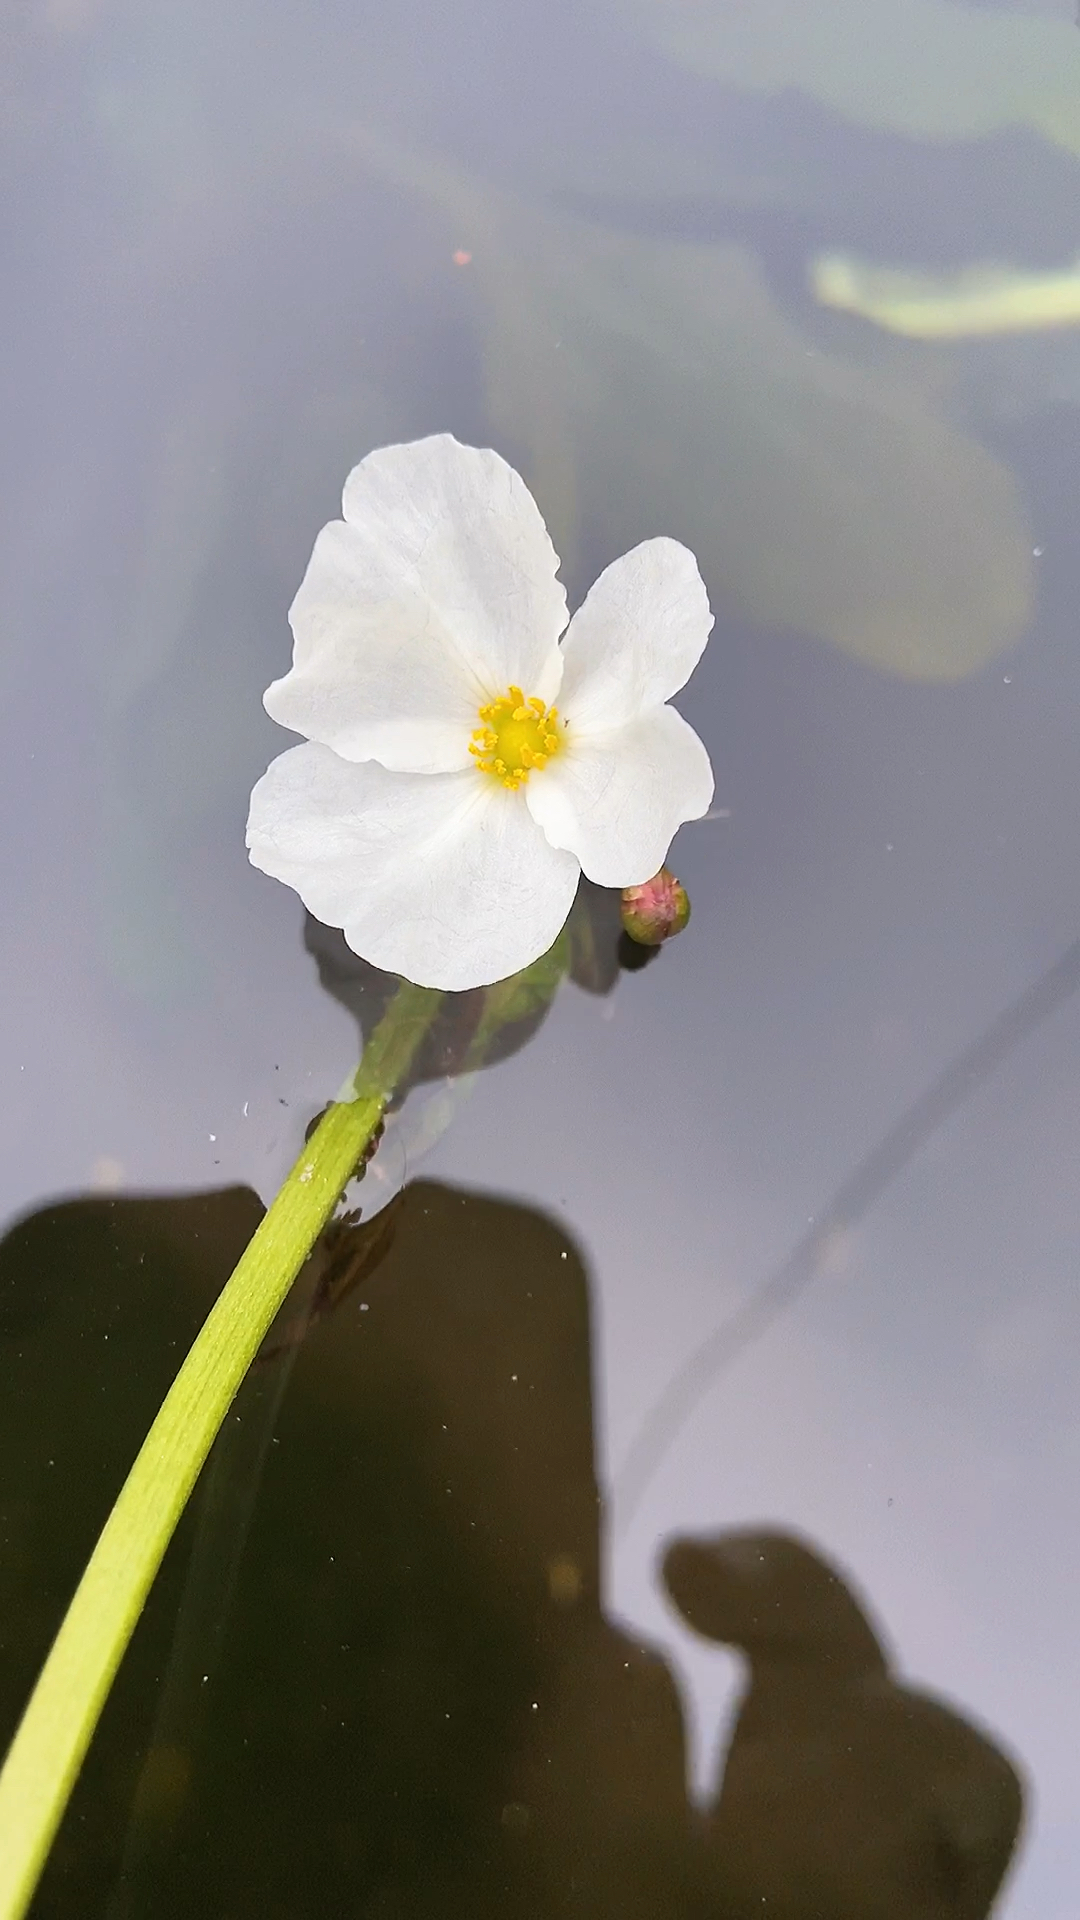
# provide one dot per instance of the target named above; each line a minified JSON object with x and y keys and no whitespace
{"x":405,"y":1698}
{"x":100,"y":1297}
{"x":843,"y":1793}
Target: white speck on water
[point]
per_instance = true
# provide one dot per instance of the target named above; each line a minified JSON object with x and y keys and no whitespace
{"x":1007,"y":679}
{"x":213,"y":1136}
{"x":1037,"y":552}
{"x":364,"y":1304}
{"x":246,"y":1105}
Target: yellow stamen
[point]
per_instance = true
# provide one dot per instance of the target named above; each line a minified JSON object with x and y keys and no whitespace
{"x":517,"y":737}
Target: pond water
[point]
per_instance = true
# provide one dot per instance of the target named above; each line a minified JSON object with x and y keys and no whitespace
{"x":726,"y":1245}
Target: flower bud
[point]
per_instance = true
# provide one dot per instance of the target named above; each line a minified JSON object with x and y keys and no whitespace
{"x":654,"y":911}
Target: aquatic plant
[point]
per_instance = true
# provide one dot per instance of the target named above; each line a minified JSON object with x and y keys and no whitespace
{"x":443,"y":808}
{"x":454,"y":857}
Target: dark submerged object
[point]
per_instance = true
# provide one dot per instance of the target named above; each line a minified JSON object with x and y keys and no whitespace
{"x":401,"y":1697}
{"x":845,"y":1794}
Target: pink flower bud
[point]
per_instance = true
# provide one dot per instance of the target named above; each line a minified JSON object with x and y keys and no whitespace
{"x":654,"y":911}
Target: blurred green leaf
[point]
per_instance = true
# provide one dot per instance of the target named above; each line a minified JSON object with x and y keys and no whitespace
{"x":820,"y":495}
{"x":651,"y":386}
{"x":926,"y":68}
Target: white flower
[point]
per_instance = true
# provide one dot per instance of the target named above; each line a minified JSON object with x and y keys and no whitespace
{"x":462,"y":766}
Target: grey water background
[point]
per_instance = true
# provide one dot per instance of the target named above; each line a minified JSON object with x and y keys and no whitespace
{"x":243,"y":245}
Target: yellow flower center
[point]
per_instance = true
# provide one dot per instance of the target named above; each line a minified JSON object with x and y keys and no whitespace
{"x":515,"y":737}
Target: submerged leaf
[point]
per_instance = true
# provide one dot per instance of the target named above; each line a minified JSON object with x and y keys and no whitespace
{"x":643,"y":382}
{"x":822,"y":496}
{"x":959,"y":306}
{"x":920,"y":67}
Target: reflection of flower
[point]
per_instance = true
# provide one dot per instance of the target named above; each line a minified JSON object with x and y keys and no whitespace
{"x":479,"y":1028}
{"x":443,"y":805}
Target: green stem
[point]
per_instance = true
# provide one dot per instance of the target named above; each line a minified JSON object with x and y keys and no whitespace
{"x":56,"y":1729}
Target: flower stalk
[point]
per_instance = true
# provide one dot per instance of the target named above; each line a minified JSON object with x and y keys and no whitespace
{"x":48,"y":1749}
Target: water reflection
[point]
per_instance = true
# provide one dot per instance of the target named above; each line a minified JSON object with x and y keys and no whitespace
{"x":488,"y":1024}
{"x":844,"y":1793}
{"x":100,"y":1297}
{"x":882,"y":64}
{"x":825,"y":1247}
{"x":219,"y":301}
{"x":477,"y":1029}
{"x":405,"y":1697}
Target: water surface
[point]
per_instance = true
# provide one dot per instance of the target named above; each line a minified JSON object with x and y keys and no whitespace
{"x":245,"y":245}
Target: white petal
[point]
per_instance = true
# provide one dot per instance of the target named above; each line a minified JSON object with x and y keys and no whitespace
{"x":444,"y":878}
{"x":435,"y":594}
{"x":637,"y":636}
{"x":616,"y":799}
